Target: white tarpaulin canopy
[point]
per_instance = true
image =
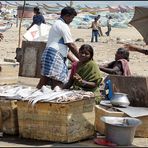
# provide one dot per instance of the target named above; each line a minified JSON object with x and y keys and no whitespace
{"x":37,"y":33}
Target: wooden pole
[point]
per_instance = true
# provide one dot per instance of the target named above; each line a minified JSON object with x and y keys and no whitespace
{"x":19,"y":41}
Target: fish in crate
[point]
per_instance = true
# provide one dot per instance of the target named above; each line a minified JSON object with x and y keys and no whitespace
{"x":62,"y":116}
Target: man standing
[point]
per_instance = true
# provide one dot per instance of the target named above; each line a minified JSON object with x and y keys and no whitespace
{"x":99,"y":26}
{"x":96,"y":29}
{"x":1,"y":38}
{"x":108,"y":26}
{"x":53,"y":66}
{"x":95,"y":32}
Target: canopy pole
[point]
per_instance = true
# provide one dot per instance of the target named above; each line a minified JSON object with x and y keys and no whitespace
{"x":20,"y":24}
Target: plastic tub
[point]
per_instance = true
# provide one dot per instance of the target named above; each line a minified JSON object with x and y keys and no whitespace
{"x":120,"y":130}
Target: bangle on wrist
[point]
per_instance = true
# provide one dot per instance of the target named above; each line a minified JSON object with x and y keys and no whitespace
{"x":84,"y":83}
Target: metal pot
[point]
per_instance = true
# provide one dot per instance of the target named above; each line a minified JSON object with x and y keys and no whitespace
{"x":120,"y":130}
{"x":120,"y":99}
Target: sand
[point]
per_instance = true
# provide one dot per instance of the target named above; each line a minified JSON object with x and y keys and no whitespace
{"x":104,"y":52}
{"x":104,"y":49}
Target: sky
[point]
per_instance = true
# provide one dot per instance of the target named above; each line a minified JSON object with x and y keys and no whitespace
{"x":102,"y":3}
{"x":92,"y":3}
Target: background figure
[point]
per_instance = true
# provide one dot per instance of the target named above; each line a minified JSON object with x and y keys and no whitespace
{"x":53,"y":66}
{"x":108,"y":26}
{"x":135,"y":48}
{"x":120,"y":65}
{"x":99,"y":27}
{"x":85,"y":74}
{"x":1,"y":36}
{"x":95,"y":30}
{"x":37,"y":18}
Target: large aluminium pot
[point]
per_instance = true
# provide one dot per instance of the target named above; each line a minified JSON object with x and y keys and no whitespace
{"x":120,"y":130}
{"x":119,"y":99}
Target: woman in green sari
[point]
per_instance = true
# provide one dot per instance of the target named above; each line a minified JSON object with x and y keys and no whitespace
{"x":85,"y":74}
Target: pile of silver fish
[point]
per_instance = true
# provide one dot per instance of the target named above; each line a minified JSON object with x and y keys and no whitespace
{"x":45,"y":94}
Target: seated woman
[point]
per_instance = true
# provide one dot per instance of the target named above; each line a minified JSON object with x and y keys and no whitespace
{"x":85,"y":74}
{"x":120,"y":65}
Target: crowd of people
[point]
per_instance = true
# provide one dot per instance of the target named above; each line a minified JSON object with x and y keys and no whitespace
{"x":85,"y":73}
{"x":96,"y":28}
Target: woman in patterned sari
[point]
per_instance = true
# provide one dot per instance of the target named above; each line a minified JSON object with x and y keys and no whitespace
{"x":85,"y":74}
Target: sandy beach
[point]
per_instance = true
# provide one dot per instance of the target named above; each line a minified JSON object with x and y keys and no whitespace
{"x":41,"y":117}
{"x":104,"y":52}
{"x":104,"y":49}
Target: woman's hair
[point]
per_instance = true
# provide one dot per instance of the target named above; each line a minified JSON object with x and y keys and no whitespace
{"x":68,"y":11}
{"x":124,"y":53}
{"x":88,"y":48}
{"x":36,"y":10}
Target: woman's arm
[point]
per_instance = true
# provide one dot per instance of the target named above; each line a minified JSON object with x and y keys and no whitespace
{"x":113,"y":70}
{"x":33,"y":22}
{"x":30,"y":26}
{"x":113,"y":67}
{"x":104,"y":66}
{"x":68,"y":84}
{"x":71,"y":80}
{"x":84,"y":83}
{"x":71,"y":57}
{"x":109,"y":70}
{"x":73,"y":49}
{"x":107,"y":65}
{"x":43,"y":20}
{"x":135,"y":48}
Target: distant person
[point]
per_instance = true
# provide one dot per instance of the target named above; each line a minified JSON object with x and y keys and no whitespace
{"x":95,"y":29}
{"x":1,"y":36}
{"x":135,"y":48}
{"x":99,"y":27}
{"x":108,"y":26}
{"x":120,"y":65}
{"x":37,"y":18}
{"x":53,"y":62}
{"x":85,"y":74}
